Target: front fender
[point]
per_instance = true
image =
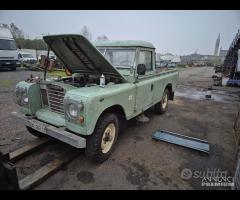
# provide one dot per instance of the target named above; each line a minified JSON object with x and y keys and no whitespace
{"x":34,"y":97}
{"x":94,"y":106}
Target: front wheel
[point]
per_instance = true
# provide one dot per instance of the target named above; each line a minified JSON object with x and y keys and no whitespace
{"x":162,"y":106}
{"x":100,"y":143}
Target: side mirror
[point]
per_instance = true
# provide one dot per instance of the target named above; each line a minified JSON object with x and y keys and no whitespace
{"x":141,"y":69}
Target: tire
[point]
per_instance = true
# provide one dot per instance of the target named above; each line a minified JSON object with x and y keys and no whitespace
{"x":162,"y":106}
{"x":97,"y":149}
{"x":122,"y":125}
{"x":13,"y":69}
{"x":35,"y":132}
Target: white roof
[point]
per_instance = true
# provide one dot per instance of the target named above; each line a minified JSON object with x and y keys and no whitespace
{"x":176,"y":59}
{"x":5,"y":33}
{"x":171,"y":58}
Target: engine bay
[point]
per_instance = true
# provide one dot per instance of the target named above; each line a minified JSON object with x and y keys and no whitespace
{"x":87,"y":80}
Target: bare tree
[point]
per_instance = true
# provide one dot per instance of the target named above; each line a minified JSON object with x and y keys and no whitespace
{"x":16,"y":32}
{"x":86,"y":33}
{"x":5,"y":26}
{"x":102,"y":38}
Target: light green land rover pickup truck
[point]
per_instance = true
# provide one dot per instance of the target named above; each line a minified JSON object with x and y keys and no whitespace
{"x":81,"y":109}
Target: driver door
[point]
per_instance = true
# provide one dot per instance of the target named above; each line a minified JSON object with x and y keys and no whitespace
{"x":144,"y":94}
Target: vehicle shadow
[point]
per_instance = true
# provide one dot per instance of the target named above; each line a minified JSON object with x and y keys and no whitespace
{"x":9,"y":70}
{"x":133,"y":124}
{"x":5,"y":70}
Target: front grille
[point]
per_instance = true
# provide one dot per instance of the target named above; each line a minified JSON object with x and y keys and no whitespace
{"x":6,"y":58}
{"x":55,"y":95}
{"x":44,"y":97}
{"x":8,"y":61}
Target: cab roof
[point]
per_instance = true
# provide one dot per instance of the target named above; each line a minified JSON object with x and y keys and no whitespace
{"x":124,"y":43}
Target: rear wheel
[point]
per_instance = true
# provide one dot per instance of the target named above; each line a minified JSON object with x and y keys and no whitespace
{"x":100,"y":144}
{"x":13,"y":69}
{"x":162,"y":106}
{"x":35,"y":132}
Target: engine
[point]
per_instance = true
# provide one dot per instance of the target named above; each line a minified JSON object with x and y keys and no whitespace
{"x":86,"y":80}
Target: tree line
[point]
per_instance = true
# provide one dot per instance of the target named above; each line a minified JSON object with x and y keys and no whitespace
{"x":25,"y":43}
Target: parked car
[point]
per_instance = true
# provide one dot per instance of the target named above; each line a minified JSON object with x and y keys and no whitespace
{"x":111,"y":82}
{"x":51,"y":57}
{"x":8,"y":50}
{"x":173,"y":65}
{"x":25,"y":57}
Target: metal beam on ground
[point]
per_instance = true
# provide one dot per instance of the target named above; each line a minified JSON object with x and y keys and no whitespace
{"x":182,"y":140}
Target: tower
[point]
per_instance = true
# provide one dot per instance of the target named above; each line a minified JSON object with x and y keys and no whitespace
{"x":217,"y":45}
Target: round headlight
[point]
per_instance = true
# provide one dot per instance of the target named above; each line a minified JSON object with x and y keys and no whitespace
{"x":21,"y":97}
{"x":81,"y":106}
{"x":72,"y":110}
{"x":25,"y":100}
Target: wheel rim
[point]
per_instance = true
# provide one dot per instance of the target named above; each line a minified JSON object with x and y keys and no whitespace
{"x":164,"y":101}
{"x":108,"y":137}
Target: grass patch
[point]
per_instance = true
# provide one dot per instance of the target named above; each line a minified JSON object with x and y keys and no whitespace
{"x":56,"y":73}
{"x":6,"y":83}
{"x":181,"y":66}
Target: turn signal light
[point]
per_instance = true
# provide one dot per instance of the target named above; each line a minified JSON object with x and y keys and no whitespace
{"x":81,"y":119}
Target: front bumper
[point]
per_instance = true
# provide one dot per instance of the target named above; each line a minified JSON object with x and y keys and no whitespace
{"x":58,"y":133}
{"x":29,"y":61}
{"x":10,"y":63}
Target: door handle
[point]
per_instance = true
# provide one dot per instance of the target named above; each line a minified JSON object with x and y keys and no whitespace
{"x":151,"y":87}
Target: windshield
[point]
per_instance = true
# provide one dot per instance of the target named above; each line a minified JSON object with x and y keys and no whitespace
{"x":120,"y":58}
{"x":27,"y":56}
{"x":7,"y":45}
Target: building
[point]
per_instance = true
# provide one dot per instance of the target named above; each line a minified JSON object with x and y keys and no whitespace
{"x":198,"y":59}
{"x":230,"y":66}
{"x":222,"y":53}
{"x":217,"y":46}
{"x":163,"y":60}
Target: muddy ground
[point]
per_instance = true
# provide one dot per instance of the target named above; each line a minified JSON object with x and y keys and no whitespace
{"x":138,"y":161}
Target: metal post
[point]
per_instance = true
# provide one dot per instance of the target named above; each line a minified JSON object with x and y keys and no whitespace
{"x":46,"y":64}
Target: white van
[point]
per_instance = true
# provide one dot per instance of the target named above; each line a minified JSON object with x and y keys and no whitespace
{"x":8,"y":50}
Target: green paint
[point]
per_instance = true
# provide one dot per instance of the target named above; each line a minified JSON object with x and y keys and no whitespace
{"x":50,"y":117}
{"x":126,"y":43}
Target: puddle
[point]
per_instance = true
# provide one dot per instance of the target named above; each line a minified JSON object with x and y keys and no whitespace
{"x":200,"y":94}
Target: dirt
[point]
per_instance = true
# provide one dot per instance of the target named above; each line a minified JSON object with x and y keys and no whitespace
{"x":85,"y":177}
{"x":138,"y":162}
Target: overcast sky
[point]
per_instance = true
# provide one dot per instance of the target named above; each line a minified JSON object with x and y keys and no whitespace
{"x":177,"y":32}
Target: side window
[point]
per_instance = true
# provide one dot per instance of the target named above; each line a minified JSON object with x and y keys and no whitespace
{"x":101,"y":50}
{"x":145,"y":57}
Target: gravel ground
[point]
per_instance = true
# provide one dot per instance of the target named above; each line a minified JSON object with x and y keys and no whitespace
{"x":138,"y":162}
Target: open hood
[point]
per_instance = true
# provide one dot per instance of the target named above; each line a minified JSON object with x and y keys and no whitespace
{"x":79,"y":55}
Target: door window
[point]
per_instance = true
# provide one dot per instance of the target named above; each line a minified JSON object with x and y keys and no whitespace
{"x":145,"y":57}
